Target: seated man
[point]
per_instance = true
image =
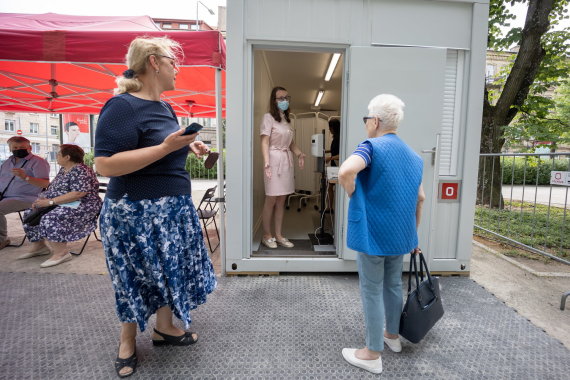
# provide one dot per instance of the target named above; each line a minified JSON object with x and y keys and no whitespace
{"x":22,"y":177}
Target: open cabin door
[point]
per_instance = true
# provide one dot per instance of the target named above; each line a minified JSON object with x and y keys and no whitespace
{"x":415,"y":75}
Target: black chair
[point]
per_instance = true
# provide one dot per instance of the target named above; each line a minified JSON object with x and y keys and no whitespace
{"x":207,"y":211}
{"x":102,"y":190}
{"x":25,"y":236}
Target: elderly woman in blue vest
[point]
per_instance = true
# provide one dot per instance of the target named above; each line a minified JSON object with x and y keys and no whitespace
{"x":383,"y":177}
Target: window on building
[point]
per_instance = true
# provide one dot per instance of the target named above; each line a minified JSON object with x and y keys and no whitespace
{"x":166,"y":25}
{"x":34,"y":128}
{"x":183,"y":26}
{"x":54,"y":129}
{"x":36,"y":148}
{"x":490,"y":73}
{"x":10,"y":125}
{"x":53,"y":152}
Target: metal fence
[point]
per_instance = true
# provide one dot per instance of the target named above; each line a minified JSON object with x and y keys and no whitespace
{"x":194,"y":165}
{"x":516,"y":203}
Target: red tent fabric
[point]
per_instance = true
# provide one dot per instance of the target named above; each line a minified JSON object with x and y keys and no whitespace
{"x":61,"y":63}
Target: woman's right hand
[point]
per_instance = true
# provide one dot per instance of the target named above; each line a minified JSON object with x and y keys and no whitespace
{"x":267,"y":171}
{"x":176,"y":140}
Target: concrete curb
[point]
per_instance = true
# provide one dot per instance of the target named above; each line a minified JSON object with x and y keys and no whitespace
{"x":521,"y":266}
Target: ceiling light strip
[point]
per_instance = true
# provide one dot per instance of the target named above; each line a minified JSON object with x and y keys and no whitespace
{"x":319,"y":97}
{"x":332,"y":66}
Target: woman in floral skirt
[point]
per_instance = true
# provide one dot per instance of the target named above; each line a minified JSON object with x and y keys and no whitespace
{"x":151,"y":233}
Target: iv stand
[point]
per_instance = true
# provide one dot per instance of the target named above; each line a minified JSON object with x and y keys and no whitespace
{"x":321,"y":237}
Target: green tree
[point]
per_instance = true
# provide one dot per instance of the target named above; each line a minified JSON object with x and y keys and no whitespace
{"x":562,"y":101}
{"x":539,"y":64}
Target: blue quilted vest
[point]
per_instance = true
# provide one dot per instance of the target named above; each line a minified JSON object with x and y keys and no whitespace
{"x":382,"y":209}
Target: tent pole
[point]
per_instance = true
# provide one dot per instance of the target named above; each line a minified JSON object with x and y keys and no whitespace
{"x":220,"y":167}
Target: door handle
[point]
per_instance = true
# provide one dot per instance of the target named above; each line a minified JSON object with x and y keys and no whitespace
{"x":433,"y":152}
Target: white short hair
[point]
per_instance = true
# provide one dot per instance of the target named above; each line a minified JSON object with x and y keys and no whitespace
{"x":389,"y":109}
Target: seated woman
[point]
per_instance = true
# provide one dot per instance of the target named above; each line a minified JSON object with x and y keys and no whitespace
{"x":75,"y":190}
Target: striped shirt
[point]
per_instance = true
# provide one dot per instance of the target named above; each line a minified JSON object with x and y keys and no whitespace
{"x":364,"y":150}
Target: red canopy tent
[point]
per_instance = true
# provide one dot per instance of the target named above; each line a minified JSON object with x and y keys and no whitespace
{"x":60,"y":63}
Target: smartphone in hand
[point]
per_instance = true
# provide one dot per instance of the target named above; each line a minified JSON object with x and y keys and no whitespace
{"x":192,"y":128}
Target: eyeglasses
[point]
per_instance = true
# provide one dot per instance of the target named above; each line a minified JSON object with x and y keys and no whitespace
{"x":366,"y":118}
{"x":287,"y":98}
{"x":172,"y":59}
{"x":165,"y":56}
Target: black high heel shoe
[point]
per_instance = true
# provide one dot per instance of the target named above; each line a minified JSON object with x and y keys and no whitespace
{"x":183,"y":340}
{"x":130,"y":362}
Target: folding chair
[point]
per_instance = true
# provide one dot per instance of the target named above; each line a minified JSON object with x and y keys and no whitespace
{"x":207,"y":212}
{"x":102,"y":190}
{"x":25,"y":236}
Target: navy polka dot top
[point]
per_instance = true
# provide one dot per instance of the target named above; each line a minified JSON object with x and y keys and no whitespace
{"x":128,"y":123}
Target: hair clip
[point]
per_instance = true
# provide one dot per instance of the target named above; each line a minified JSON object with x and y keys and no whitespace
{"x":129,"y":74}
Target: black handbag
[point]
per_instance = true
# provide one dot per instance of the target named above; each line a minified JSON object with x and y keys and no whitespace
{"x":34,"y":217}
{"x":423,"y":307}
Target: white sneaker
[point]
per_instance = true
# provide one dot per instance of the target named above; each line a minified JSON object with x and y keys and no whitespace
{"x":41,"y":252}
{"x":394,"y":344}
{"x":374,"y":366}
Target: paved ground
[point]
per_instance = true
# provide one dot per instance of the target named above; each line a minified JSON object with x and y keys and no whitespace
{"x":59,"y":323}
{"x":63,"y":326}
{"x":558,"y":195}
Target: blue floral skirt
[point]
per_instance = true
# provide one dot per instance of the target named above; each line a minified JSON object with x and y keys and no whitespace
{"x":156,"y":257}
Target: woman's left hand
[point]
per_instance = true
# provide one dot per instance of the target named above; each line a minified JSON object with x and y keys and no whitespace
{"x":41,"y":202}
{"x":199,"y":148}
{"x":301,"y":160}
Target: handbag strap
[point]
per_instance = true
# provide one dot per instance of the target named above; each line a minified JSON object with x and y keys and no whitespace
{"x":428,"y":274}
{"x":414,"y":270}
{"x":11,"y":179}
{"x":414,"y":266}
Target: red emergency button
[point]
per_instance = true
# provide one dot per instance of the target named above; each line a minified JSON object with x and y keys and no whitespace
{"x":449,"y":191}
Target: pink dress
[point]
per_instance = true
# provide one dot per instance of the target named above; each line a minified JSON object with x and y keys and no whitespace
{"x":282,"y":180}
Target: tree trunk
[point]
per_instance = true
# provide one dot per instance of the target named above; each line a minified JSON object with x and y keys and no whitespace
{"x":489,"y":182}
{"x":513,"y":95}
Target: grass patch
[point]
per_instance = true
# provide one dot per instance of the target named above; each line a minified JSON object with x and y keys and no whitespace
{"x":513,"y":252}
{"x":538,"y":226}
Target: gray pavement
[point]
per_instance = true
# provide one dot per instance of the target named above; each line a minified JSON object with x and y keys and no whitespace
{"x":59,"y":323}
{"x":63,"y":326}
{"x":558,"y":196}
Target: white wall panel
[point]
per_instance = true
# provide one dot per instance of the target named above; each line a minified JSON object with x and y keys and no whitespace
{"x":421,"y":23}
{"x":305,"y":179}
{"x":361,"y":22}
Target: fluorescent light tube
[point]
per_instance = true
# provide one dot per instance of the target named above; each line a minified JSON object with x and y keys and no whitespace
{"x":319,"y":97}
{"x":332,"y":66}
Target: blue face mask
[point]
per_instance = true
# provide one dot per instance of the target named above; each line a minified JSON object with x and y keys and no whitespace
{"x":283,"y":105}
